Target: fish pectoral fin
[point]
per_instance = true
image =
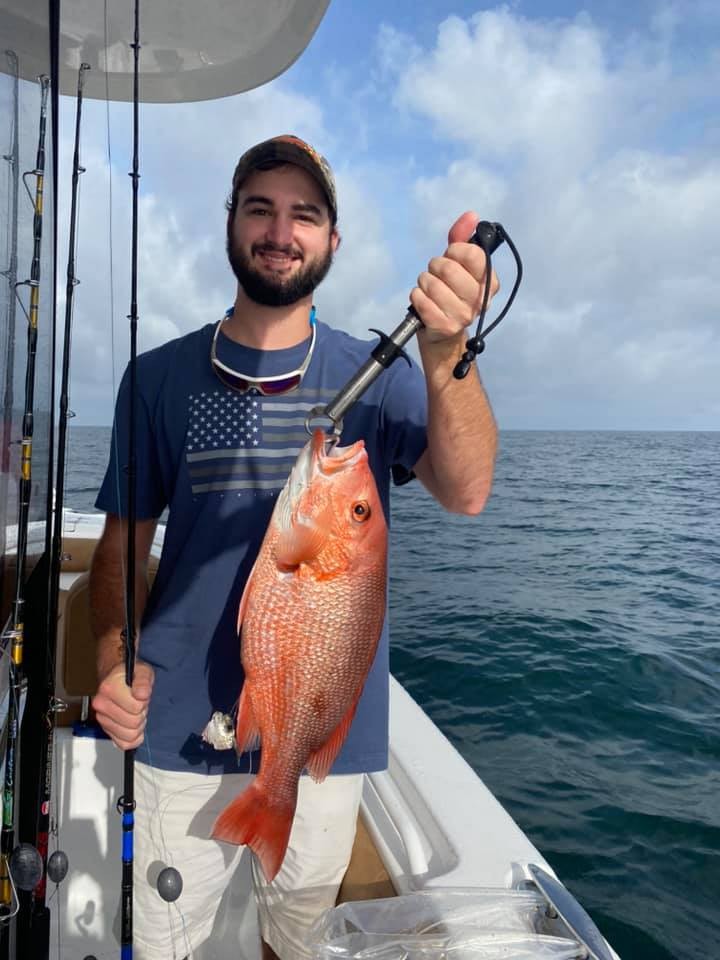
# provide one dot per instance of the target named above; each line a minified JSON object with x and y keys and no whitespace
{"x":320,"y":762}
{"x":244,"y":598}
{"x":301,"y":543}
{"x":247,"y":731}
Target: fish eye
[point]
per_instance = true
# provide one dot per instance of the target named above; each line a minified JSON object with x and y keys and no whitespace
{"x":361,"y":511}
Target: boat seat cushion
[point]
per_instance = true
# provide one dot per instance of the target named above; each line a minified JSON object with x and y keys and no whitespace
{"x":80,"y":675}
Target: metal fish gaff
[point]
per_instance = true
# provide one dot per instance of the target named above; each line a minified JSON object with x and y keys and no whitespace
{"x":310,"y":619}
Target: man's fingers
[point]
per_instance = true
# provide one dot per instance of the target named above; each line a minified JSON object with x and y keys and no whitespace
{"x":118,"y":700}
{"x":464,"y":227}
{"x":121,"y":710}
{"x":141,"y":689}
{"x":143,"y":680}
{"x":440,"y":307}
{"x":125,"y":732}
{"x":115,"y":687}
{"x":126,"y":744}
{"x":130,"y":717}
{"x":456,"y":276}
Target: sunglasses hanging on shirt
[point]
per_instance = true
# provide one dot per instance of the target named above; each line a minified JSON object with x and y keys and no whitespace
{"x":267,"y":386}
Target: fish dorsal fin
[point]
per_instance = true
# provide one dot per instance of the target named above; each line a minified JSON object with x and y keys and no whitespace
{"x":319,"y":762}
{"x":301,"y":543}
{"x":247,"y":731}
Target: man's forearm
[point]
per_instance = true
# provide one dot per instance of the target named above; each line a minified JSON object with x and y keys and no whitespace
{"x":462,"y":434}
{"x":107,"y":610}
{"x":107,"y":587}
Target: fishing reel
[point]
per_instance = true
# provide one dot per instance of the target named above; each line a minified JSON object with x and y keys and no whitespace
{"x":488,"y":236}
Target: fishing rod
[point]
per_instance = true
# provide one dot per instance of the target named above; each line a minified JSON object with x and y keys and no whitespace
{"x":488,"y":236}
{"x":14,"y":633}
{"x":55,"y":867}
{"x":13,"y":158}
{"x":126,"y":803}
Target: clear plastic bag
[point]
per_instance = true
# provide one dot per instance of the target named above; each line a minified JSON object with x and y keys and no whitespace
{"x":450,"y":924}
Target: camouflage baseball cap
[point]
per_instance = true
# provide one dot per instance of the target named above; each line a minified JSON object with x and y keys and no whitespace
{"x":289,"y":149}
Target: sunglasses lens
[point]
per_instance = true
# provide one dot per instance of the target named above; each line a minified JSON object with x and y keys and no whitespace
{"x":232,"y":380}
{"x":270,"y":388}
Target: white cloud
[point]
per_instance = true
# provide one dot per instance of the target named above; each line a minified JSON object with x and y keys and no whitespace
{"x":500,"y":82}
{"x":619,"y":238}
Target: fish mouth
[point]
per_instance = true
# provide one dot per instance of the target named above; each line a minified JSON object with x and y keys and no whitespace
{"x":321,"y":455}
{"x":329,"y":457}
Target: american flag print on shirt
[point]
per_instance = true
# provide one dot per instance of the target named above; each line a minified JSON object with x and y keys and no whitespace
{"x":246,"y":441}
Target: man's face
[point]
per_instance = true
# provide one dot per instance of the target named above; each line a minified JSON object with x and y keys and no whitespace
{"x":280,"y":242}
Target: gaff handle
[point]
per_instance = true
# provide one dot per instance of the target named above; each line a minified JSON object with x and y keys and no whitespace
{"x":486,"y":235}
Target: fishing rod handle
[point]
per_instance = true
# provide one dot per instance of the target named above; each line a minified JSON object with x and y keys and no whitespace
{"x":488,"y":236}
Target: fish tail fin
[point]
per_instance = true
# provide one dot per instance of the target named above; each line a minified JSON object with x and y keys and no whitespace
{"x":263,"y":826}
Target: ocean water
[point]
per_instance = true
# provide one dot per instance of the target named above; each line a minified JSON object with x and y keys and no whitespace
{"x":567,"y":641}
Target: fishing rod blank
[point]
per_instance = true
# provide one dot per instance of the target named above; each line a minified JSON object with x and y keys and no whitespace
{"x":486,"y":235}
{"x":13,"y":158}
{"x":15,"y":633}
{"x":58,"y":864}
{"x":126,"y":803}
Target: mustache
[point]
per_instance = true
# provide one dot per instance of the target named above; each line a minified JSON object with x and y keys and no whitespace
{"x":269,"y":247}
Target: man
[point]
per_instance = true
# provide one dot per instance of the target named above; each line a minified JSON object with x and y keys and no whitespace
{"x":220,"y":421}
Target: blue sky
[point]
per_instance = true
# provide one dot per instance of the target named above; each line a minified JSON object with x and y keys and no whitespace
{"x":591,"y":132}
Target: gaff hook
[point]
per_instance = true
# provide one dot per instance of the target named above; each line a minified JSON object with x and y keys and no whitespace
{"x":488,"y":236}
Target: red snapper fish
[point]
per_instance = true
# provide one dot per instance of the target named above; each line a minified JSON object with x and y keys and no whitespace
{"x":311,"y":615}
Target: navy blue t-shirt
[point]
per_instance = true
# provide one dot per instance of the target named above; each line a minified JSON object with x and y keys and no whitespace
{"x":218,"y":459}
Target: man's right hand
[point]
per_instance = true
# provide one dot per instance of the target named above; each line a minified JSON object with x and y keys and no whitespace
{"x":121,"y":710}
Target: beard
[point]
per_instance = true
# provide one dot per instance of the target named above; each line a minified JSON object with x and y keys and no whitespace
{"x":275,"y":291}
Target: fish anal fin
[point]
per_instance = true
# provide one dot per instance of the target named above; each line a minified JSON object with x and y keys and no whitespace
{"x":247,"y":731}
{"x":322,"y":759}
{"x":301,"y":543}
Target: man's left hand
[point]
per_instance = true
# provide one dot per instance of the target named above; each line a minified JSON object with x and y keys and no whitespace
{"x":449,"y":293}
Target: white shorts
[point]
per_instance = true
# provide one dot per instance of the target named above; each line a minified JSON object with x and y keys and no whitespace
{"x":174,"y":816}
